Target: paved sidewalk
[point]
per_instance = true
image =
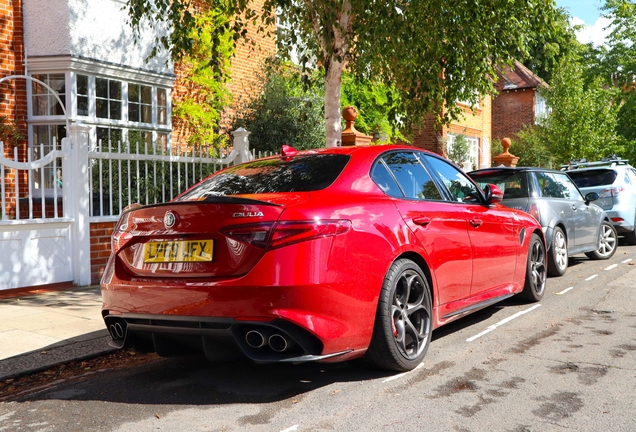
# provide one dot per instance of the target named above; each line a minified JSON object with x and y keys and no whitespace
{"x":40,"y":330}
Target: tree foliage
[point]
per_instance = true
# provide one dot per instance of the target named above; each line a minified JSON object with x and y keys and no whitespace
{"x":581,"y":124}
{"x":285,"y":112}
{"x":204,"y":94}
{"x":459,"y":152}
{"x":429,"y":51}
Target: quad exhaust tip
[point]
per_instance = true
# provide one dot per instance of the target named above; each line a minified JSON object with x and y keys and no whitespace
{"x":116,"y":331}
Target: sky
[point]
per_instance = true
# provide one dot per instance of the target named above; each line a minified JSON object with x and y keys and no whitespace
{"x":588,"y":13}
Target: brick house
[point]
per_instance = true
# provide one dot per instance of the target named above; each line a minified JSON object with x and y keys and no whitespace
{"x":518,"y":102}
{"x":102,"y":78}
{"x":475,"y":125}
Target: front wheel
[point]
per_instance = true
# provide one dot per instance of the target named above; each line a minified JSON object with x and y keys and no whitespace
{"x":402,"y":330}
{"x":535,"y":271}
{"x":607,"y":243}
{"x":558,"y":253}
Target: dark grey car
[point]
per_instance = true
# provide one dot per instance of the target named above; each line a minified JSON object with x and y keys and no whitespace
{"x":572,"y":224}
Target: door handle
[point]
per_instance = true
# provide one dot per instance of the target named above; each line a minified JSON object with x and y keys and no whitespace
{"x":476,"y":222}
{"x":422,"y":220}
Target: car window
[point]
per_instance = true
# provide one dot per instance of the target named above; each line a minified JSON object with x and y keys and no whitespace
{"x":458,"y":184}
{"x":298,"y":174}
{"x":632,"y":176}
{"x":385,"y":180}
{"x":414,"y":180}
{"x":512,"y":184}
{"x":593,"y":178}
{"x":570,"y":190}
{"x":553,"y":185}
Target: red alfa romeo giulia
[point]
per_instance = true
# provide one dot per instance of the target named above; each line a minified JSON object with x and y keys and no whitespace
{"x":323,"y":255}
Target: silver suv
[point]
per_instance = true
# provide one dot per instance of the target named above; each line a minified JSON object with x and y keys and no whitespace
{"x":572,"y":224}
{"x":614,"y":180}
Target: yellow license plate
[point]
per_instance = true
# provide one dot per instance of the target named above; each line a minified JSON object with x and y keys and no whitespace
{"x":178,"y":251}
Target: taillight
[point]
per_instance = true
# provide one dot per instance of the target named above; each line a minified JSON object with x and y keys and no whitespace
{"x":274,"y":235}
{"x":618,"y":219}
{"x":120,"y":235}
{"x":610,"y":192}
{"x":534,"y":212}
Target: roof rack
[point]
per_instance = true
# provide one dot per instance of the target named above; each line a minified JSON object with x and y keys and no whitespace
{"x":611,"y":160}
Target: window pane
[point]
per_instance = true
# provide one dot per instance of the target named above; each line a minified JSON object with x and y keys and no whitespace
{"x":549,"y":187}
{"x":161,"y":116}
{"x":385,"y":181}
{"x":82,"y":105}
{"x":115,"y":110}
{"x":133,"y":93}
{"x":101,"y":106}
{"x":133,"y":112}
{"x":411,"y":175}
{"x":101,"y":88}
{"x":146,"y":95}
{"x":82,"y":85}
{"x":40,"y":104}
{"x":146,"y":114}
{"x":459,"y":186}
{"x":115,"y":90}
{"x":161,"y":97}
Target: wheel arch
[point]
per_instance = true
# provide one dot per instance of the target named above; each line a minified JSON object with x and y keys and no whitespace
{"x":423,"y":265}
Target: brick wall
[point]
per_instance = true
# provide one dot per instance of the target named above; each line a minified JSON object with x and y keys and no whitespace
{"x":100,"y":248}
{"x":477,"y":124}
{"x":511,"y":110}
{"x":244,"y":70}
{"x":12,"y":92}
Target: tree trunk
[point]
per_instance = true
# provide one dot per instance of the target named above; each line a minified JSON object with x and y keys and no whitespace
{"x":333,"y":79}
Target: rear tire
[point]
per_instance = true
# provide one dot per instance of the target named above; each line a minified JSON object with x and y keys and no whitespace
{"x":536,"y":272}
{"x":402,"y":330}
{"x":558,"y":253}
{"x":607,"y":243}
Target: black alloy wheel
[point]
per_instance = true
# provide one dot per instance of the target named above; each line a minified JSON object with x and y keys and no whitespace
{"x":402,"y":330}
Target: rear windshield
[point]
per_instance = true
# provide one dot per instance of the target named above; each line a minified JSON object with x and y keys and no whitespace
{"x":299,"y":174}
{"x":591,"y":178}
{"x":512,"y":184}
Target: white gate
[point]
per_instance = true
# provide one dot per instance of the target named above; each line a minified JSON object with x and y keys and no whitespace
{"x":48,"y":199}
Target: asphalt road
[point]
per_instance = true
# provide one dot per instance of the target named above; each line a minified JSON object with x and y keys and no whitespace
{"x":565,"y":364}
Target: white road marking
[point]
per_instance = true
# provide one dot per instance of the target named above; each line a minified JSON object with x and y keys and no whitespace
{"x":591,"y":277}
{"x":394,"y":377}
{"x":564,"y":291}
{"x":626,"y":261}
{"x":290,"y":429}
{"x":613,"y":266}
{"x":502,"y":322}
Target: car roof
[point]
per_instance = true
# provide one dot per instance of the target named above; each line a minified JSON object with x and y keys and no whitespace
{"x":497,"y":170}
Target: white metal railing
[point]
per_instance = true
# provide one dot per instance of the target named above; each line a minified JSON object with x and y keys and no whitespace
{"x":18,"y":181}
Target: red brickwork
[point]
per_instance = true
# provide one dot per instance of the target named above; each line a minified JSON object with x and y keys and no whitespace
{"x":244,"y":71}
{"x":100,"y":248}
{"x":475,"y":123}
{"x":511,"y":110}
{"x":13,"y":92}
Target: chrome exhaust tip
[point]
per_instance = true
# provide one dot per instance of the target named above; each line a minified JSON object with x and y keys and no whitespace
{"x":278,"y":343}
{"x":255,"y":339}
{"x":116,"y":331}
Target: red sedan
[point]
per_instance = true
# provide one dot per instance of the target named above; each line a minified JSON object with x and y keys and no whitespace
{"x":323,"y":255}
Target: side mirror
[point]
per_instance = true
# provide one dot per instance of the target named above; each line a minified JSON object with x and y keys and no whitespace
{"x":493,"y":194}
{"x":592,"y":196}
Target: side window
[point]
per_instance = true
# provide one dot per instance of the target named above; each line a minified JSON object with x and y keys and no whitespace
{"x":549,"y":187}
{"x":411,"y":175}
{"x":385,"y":181}
{"x":631,"y":175}
{"x":569,"y":188}
{"x":460,"y":187}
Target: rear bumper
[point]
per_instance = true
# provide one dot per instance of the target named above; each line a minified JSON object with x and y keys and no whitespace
{"x":218,"y":339}
{"x":335,"y":306}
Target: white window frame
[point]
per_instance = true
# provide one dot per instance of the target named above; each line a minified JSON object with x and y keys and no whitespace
{"x":70,"y":102}
{"x":472,"y":142}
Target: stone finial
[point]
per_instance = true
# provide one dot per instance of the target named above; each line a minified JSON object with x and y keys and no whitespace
{"x":350,"y":136}
{"x":505,"y":158}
